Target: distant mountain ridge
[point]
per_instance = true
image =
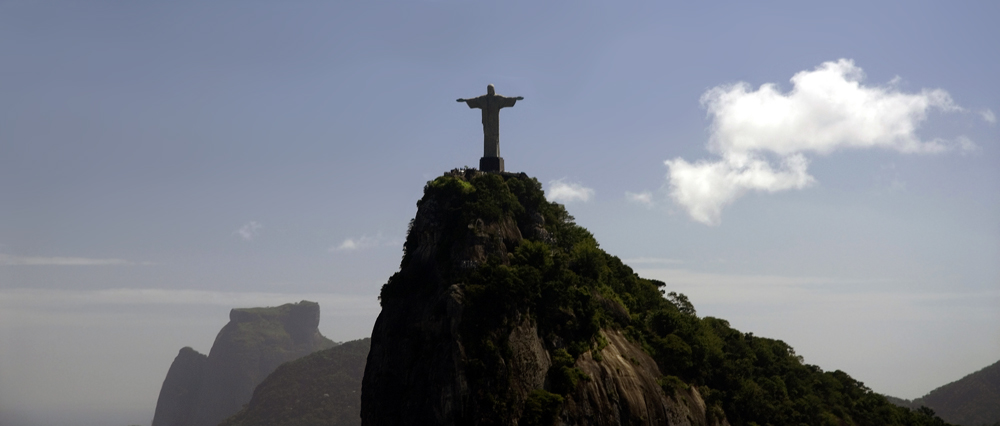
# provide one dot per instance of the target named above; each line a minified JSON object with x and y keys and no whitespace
{"x":203,"y":390}
{"x":973,"y":400}
{"x":323,"y":388}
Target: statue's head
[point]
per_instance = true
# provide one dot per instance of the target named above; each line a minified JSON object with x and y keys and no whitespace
{"x":490,"y":90}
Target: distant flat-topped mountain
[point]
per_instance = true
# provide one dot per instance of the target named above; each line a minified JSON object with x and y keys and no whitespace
{"x":973,"y":400}
{"x":202,"y":391}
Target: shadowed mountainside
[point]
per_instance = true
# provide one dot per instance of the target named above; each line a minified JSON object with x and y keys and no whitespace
{"x":320,"y":388}
{"x":973,"y":400}
{"x":202,"y":391}
{"x":181,"y":388}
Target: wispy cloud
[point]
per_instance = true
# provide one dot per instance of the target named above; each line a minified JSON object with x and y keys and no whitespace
{"x":827,"y":109}
{"x":966,"y":145}
{"x":889,"y":179}
{"x":249,"y":231}
{"x":787,"y":291}
{"x":6,"y":259}
{"x":568,"y":192}
{"x":366,"y":242}
{"x":988,"y":116}
{"x":645,"y":198}
{"x":739,"y":289}
{"x":22,"y":306}
{"x":358,"y":243}
{"x":10,"y":298}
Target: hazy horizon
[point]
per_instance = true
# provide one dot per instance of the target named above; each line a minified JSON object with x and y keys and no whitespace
{"x":826,"y":175}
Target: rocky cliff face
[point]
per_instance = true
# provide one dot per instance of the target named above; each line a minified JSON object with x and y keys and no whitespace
{"x":623,"y":389}
{"x":202,"y":391}
{"x":487,"y":323}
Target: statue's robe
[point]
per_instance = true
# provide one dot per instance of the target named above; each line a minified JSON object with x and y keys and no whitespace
{"x":491,"y":104}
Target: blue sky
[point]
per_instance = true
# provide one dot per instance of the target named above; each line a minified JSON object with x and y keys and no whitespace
{"x":162,"y":164}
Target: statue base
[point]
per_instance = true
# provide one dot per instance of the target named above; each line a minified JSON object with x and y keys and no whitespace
{"x":491,"y":164}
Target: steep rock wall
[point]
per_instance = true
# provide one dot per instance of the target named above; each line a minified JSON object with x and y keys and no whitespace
{"x":623,"y":390}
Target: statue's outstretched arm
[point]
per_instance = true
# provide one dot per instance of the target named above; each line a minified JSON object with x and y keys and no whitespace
{"x":520,"y":98}
{"x":472,"y":103}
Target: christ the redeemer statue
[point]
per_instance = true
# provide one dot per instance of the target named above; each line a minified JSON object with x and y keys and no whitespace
{"x":491,"y":103}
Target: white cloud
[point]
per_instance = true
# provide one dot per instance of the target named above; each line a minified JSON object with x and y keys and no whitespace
{"x":645,"y":198}
{"x":568,"y":192}
{"x":59,"y":261}
{"x":704,"y":188}
{"x":827,"y":109}
{"x":362,"y":242}
{"x":365,"y":242}
{"x":966,"y":145}
{"x":249,"y":230}
{"x":988,"y":116}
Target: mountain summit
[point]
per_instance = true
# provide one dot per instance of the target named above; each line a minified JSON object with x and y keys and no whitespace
{"x":502,"y":313}
{"x":505,"y":312}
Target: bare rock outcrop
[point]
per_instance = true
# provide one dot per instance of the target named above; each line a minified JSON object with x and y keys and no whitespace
{"x":623,"y":390}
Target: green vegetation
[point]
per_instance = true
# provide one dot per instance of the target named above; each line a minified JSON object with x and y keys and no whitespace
{"x":672,"y":384}
{"x":559,"y":277}
{"x":541,"y":408}
{"x":563,"y":376}
{"x":321,"y":388}
{"x":279,"y":326}
{"x":973,"y":400}
{"x":266,"y":331}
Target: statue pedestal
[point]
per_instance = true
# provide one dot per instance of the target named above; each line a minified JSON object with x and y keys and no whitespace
{"x":491,"y":164}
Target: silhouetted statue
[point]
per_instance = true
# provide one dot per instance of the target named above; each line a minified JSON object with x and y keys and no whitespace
{"x":491,"y":103}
